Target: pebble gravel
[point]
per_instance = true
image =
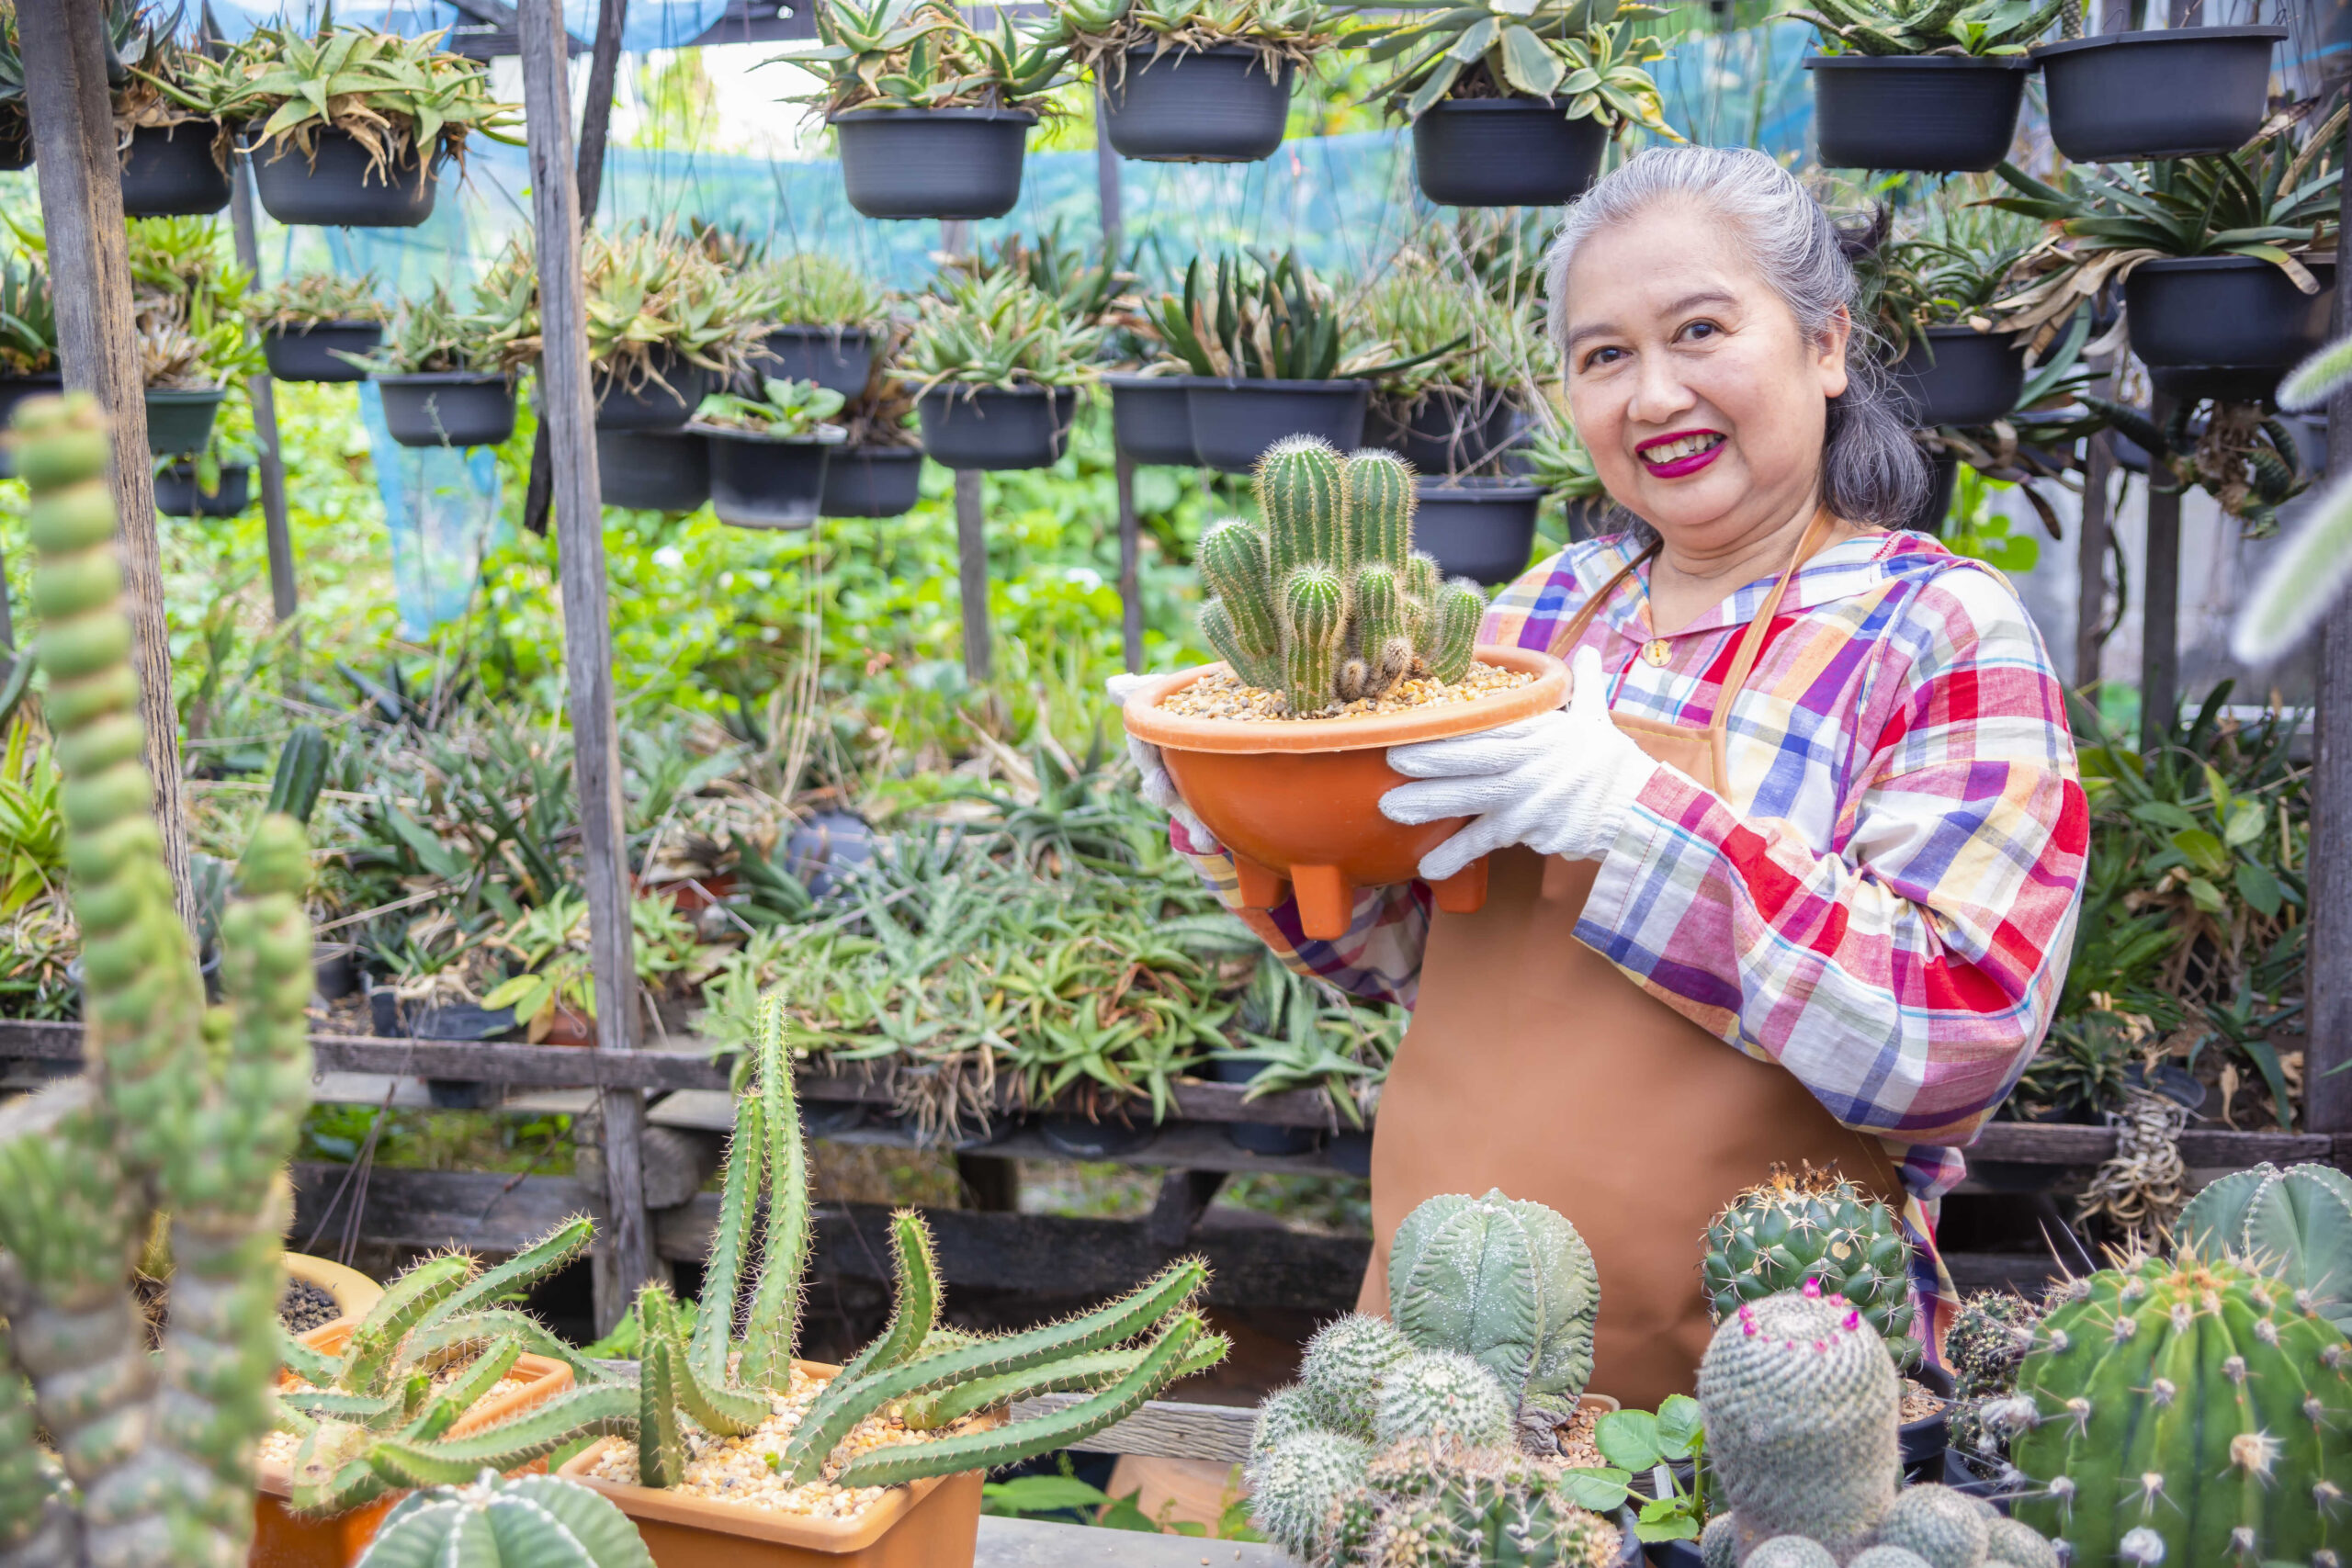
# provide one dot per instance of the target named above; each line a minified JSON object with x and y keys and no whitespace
{"x":1221,"y":694}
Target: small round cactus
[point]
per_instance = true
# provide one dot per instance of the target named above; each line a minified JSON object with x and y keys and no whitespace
{"x":1441,"y":1394}
{"x":1790,"y":1551}
{"x":1294,"y":1485}
{"x":536,"y":1520}
{"x":1345,"y":1362}
{"x":1282,"y":1414}
{"x":1719,"y":1543}
{"x":1814,"y":1225}
{"x":1889,"y":1557}
{"x":2013,"y":1543}
{"x":1935,"y":1524}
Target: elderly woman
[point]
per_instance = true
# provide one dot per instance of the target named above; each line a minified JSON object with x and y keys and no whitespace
{"x":1793,"y":876}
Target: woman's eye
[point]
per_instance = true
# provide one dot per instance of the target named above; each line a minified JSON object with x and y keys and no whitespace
{"x":1697,"y":330}
{"x":1600,"y":356}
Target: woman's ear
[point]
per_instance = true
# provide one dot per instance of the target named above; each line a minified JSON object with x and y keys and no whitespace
{"x":1829,"y":354}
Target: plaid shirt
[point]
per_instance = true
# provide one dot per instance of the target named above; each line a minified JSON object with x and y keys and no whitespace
{"x":1883,"y":899}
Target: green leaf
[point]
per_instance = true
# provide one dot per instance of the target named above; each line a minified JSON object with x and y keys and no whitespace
{"x":1530,"y":64}
{"x":1629,"y":1438}
{"x":1603,"y":1491}
{"x":2166,"y":814}
{"x":2246,"y":821}
{"x":1680,"y":1527}
{"x":2259,"y":888}
{"x":2202,"y":849}
{"x":1680,"y":1427}
{"x":2205,"y":895}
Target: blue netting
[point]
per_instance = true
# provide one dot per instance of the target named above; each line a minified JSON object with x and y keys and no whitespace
{"x":651,"y":24}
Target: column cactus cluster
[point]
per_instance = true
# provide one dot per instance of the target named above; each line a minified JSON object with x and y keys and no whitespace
{"x":1418,"y":1439}
{"x":1814,"y":1225}
{"x":1327,"y":602}
{"x":1800,"y":1404}
{"x":184,"y":1109}
{"x":2186,"y":1412}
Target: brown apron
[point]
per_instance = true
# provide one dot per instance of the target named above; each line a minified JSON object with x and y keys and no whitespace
{"x":1534,"y":1065}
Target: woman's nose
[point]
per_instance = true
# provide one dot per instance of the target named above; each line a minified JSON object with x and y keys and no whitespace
{"x":1659,"y":394}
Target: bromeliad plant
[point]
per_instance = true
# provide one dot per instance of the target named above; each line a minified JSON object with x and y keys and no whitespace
{"x":922,"y":54}
{"x":1099,"y":33}
{"x":314,"y":298}
{"x":1582,"y":55}
{"x":1984,"y":28}
{"x":999,"y":331}
{"x":782,"y":410}
{"x":185,"y":1111}
{"x":1329,"y":603}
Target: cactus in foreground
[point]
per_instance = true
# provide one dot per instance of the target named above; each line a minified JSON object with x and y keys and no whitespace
{"x":1988,"y":1338}
{"x":1327,"y":603}
{"x":1445,"y":1506}
{"x":1814,"y":1225}
{"x":1510,"y":1284}
{"x":2187,"y":1408}
{"x":2295,"y":1223}
{"x":184,"y":1110}
{"x":534,"y":1521}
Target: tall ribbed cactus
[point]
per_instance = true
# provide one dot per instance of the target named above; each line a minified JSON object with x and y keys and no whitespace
{"x":2187,"y":1411}
{"x":1327,"y":603}
{"x":1814,"y":1225}
{"x":2295,"y":1223}
{"x":184,"y":1110}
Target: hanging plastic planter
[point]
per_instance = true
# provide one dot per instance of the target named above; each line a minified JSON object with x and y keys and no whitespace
{"x":314,"y":351}
{"x":933,"y":162}
{"x":1943,"y":475}
{"x":872,"y":481}
{"x":1960,"y":375}
{"x":1450,"y":430}
{"x":2170,"y":93}
{"x":767,"y":481}
{"x":1221,"y":105}
{"x":2224,"y":313}
{"x":1935,"y":113}
{"x":448,"y":408}
{"x":1505,"y":153}
{"x":996,"y":427}
{"x":339,"y":187}
{"x":181,"y":421}
{"x":1235,"y":422}
{"x":1151,"y":418}
{"x":664,"y":399}
{"x":16,"y":141}
{"x":839,"y":359}
{"x":177,"y":493}
{"x":168,"y":171}
{"x":649,"y":470}
{"x":1480,"y":528}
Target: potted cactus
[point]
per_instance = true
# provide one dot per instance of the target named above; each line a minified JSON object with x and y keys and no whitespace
{"x":1934,"y":88}
{"x":2165,"y":93}
{"x":175,"y":159}
{"x":320,"y":326}
{"x":826,"y":321}
{"x":668,"y":325}
{"x":932,"y":112}
{"x":1201,"y":82}
{"x":493,"y":1523}
{"x":768,"y":454}
{"x":1340,"y":641}
{"x":438,"y":378}
{"x":998,"y":364}
{"x":185,"y":1111}
{"x":1930,"y":294}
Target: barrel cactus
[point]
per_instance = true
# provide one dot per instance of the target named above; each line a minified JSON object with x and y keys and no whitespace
{"x":1327,"y":603}
{"x":533,"y":1522}
{"x":184,"y":1110}
{"x":2187,"y":1411}
{"x":1814,"y":1225}
{"x":2295,"y":1223}
{"x":1445,"y":1506}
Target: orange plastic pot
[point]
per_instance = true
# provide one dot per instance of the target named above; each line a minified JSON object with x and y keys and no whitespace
{"x":924,"y":1524}
{"x":283,"y":1539}
{"x":1298,"y":801}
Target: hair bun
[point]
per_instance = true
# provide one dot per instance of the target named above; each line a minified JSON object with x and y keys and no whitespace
{"x":1860,"y":234}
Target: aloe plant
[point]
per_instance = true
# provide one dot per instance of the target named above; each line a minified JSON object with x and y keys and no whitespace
{"x":1890,"y":27}
{"x":1573,"y":53}
{"x":430,"y":334}
{"x":999,"y":331}
{"x":1256,"y":318}
{"x":311,"y":298}
{"x":1099,"y":33}
{"x":27,"y":316}
{"x":812,"y":288}
{"x":922,"y":54}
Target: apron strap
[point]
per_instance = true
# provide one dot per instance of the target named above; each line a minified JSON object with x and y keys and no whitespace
{"x":1573,"y":633}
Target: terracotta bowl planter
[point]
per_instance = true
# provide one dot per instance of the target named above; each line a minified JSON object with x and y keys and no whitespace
{"x":925,"y":1524}
{"x":282,"y":1539}
{"x":1298,"y":804}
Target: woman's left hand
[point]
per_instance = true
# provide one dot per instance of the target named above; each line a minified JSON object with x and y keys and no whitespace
{"x":1559,"y":782}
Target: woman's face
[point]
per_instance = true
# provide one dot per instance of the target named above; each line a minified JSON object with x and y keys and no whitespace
{"x":1691,"y":382}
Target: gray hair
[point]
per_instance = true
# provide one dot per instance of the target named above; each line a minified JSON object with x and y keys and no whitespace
{"x":1872,"y":469}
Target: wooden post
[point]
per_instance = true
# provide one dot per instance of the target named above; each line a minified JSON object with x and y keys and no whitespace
{"x":89,"y":277}
{"x":2160,"y":603}
{"x":971,"y":524}
{"x":625,"y":1260}
{"x":2327,"y":983}
{"x":284,"y":597}
{"x":2090,"y":566}
{"x":1106,"y":190}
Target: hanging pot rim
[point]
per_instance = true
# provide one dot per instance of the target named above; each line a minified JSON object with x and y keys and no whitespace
{"x":839,"y":438}
{"x":2271,"y":30}
{"x":852,"y":116}
{"x":1920,"y":62}
{"x":2229,"y":263}
{"x":442,"y":378}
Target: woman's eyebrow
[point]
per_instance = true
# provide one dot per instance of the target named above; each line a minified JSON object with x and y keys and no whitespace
{"x":1688,"y":302}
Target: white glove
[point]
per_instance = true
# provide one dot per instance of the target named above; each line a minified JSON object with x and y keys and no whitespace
{"x":1157,"y":788}
{"x":1559,"y":782}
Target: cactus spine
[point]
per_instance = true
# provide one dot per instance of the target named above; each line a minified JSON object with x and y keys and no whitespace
{"x":184,"y":1110}
{"x":1328,"y":602}
{"x":534,"y":1521}
{"x":2295,"y":1223}
{"x":2188,"y":1408}
{"x":1813,"y":1226}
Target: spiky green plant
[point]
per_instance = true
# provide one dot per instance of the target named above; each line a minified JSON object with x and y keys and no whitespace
{"x":1328,"y":602}
{"x":2295,"y":1223}
{"x":533,"y":1521}
{"x":2186,"y":1411}
{"x":1443,"y":1505}
{"x":184,"y":1109}
{"x":1814,"y":1225}
{"x":1988,"y":1338}
{"x":1979,"y":28}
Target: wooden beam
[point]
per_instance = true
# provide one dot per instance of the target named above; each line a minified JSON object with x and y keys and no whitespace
{"x":285,"y":596}
{"x":1169,"y":1427}
{"x":79,"y":172}
{"x":568,"y":416}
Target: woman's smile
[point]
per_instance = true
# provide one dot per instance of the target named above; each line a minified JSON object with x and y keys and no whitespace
{"x":1684,"y":452}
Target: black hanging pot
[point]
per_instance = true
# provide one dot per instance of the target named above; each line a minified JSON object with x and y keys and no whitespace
{"x":933,"y":162}
{"x":2224,"y":383}
{"x":838,"y":359}
{"x":1081,"y":1137}
{"x":1943,"y":473}
{"x":179,"y":495}
{"x":2236,"y":311}
{"x":313,"y":352}
{"x":1448,"y":430}
{"x":338,"y":188}
{"x":996,"y":427}
{"x":1956,"y":375}
{"x":2170,"y":93}
{"x":653,"y":470}
{"x":1259,"y":1137}
{"x":1233,"y":422}
{"x":766,"y":482}
{"x":664,"y":400}
{"x":16,"y":141}
{"x":448,"y":408}
{"x":1939,"y":114}
{"x":1151,"y":419}
{"x":1483,"y":529}
{"x":168,"y":171}
{"x":1219,"y":104}
{"x":872,"y":481}
{"x":1505,"y":153}
{"x":180,"y":422}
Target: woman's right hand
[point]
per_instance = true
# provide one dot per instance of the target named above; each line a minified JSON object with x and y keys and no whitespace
{"x":1158,"y":789}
